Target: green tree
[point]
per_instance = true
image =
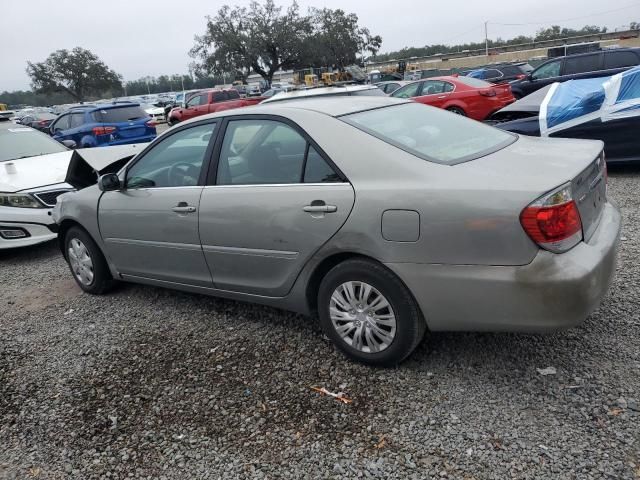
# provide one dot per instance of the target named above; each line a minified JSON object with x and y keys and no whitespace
{"x":262,"y":38}
{"x":78,"y":72}
{"x":337,"y":38}
{"x":265,"y":38}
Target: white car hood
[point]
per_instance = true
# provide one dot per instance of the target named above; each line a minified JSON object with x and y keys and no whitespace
{"x":34,"y":172}
{"x":154,"y":111}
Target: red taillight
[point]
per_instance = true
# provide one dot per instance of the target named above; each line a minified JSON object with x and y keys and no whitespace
{"x":103,"y":130}
{"x":151,"y":123}
{"x":553,"y":221}
{"x":487,"y":93}
{"x":521,"y":76}
{"x":42,"y":123}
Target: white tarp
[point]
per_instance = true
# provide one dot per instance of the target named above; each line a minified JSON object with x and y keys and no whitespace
{"x":579,"y":101}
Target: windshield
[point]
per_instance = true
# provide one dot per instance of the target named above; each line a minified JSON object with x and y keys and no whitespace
{"x":474,"y":82}
{"x":119,"y":114}
{"x":371,"y":92}
{"x":431,"y":133}
{"x":21,"y":142}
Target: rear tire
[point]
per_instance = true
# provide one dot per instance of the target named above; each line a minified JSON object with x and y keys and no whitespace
{"x":359,"y":324}
{"x":457,"y":111}
{"x":87,"y":263}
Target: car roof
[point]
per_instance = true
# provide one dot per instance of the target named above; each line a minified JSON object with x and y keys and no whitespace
{"x":584,"y":54}
{"x":318,"y":92}
{"x":333,"y":106}
{"x":104,"y":106}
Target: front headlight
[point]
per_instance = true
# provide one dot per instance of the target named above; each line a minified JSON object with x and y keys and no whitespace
{"x":19,"y":200}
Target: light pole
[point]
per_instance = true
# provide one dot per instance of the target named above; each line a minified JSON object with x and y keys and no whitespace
{"x":486,"y":40}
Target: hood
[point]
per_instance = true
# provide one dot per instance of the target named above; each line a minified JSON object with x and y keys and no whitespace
{"x":34,"y":172}
{"x":88,"y":164}
{"x":530,"y":103}
{"x":154,"y":111}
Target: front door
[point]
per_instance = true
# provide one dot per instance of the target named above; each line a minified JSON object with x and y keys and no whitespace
{"x":275,"y":200}
{"x":191,"y":108}
{"x":150,"y":227}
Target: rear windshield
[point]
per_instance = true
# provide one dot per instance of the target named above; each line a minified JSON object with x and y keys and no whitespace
{"x":474,"y":82}
{"x":119,"y":114}
{"x":431,"y":133}
{"x":22,"y":142}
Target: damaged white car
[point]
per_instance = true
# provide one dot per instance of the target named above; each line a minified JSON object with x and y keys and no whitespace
{"x":33,"y":173}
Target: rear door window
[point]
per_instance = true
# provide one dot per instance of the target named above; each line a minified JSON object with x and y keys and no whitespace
{"x":261,"y":152}
{"x":77,"y":120}
{"x":119,"y":114}
{"x":432,"y":87}
{"x":317,"y":170}
{"x":219,"y":96}
{"x":582,"y":64}
{"x":620,"y":59}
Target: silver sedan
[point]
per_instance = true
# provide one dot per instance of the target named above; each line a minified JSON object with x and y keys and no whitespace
{"x":385,"y":217}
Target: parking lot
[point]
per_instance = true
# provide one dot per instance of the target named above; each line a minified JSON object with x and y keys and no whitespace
{"x":153,"y":383}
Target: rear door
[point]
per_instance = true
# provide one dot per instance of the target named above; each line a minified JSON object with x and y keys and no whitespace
{"x":273,"y":201}
{"x":583,"y":66}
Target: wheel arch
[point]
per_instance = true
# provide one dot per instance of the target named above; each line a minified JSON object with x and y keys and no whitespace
{"x":324,"y":266}
{"x":66,"y":225}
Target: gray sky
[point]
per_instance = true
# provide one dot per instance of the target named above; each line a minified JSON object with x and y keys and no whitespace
{"x":144,"y":37}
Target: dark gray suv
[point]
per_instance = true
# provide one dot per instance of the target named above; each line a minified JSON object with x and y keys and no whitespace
{"x":586,"y":65}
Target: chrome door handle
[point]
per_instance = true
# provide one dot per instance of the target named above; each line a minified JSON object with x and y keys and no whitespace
{"x":183,"y":209}
{"x":320,"y":209}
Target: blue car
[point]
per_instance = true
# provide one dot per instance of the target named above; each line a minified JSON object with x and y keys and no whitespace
{"x":103,"y":125}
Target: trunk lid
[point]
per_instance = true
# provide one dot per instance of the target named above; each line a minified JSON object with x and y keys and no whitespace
{"x":539,"y":165}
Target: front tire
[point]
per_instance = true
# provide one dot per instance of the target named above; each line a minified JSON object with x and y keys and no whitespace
{"x":87,"y":263}
{"x":369,"y":314}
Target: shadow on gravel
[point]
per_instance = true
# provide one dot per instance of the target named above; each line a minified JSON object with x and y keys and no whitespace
{"x":31,"y":254}
{"x":623,"y":168}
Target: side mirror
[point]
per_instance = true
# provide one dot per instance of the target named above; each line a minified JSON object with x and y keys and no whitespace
{"x":109,"y":182}
{"x":69,"y":143}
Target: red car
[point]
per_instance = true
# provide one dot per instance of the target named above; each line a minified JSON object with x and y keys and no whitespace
{"x":471,"y":97}
{"x":210,"y":101}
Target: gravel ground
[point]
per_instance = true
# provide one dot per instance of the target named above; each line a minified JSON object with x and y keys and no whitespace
{"x":150,"y":383}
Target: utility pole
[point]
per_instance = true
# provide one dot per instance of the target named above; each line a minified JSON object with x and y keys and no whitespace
{"x":486,"y":40}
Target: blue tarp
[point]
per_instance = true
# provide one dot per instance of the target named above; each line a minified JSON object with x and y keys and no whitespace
{"x":579,"y":101}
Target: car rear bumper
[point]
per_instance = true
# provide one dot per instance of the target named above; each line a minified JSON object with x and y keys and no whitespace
{"x":36,"y":224}
{"x":554,"y":291}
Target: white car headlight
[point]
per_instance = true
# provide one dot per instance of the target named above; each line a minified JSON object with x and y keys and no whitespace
{"x":19,"y":200}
